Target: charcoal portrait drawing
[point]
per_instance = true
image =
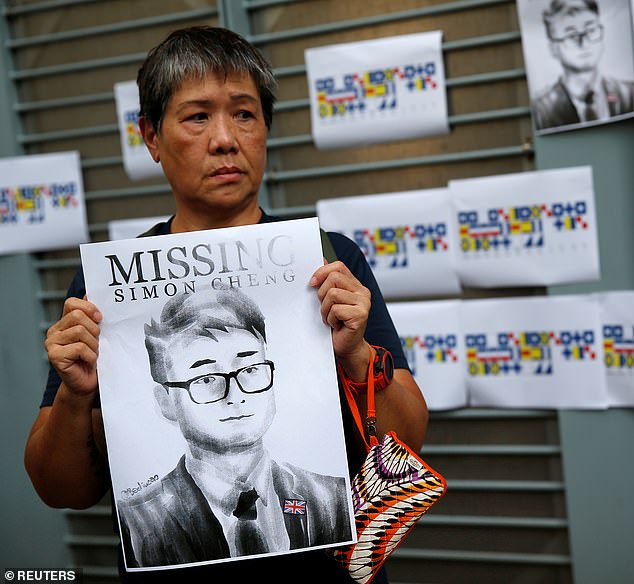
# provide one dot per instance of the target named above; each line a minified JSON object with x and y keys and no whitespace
{"x":227,"y":497}
{"x":584,"y":93}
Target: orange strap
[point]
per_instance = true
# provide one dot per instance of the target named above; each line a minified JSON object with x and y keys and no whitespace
{"x":370,"y":420}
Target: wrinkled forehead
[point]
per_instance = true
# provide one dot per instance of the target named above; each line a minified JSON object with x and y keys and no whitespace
{"x":213,"y":78}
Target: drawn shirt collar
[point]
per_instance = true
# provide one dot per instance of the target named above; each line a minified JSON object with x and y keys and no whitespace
{"x":600,"y":102}
{"x":222,"y":491}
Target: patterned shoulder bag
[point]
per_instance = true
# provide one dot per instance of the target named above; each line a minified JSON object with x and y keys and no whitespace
{"x":393,"y":489}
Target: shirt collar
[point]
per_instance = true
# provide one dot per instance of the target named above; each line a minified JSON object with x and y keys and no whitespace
{"x":222,"y":491}
{"x":599,"y":104}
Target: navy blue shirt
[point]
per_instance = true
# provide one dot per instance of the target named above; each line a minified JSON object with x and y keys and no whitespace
{"x":312,"y":565}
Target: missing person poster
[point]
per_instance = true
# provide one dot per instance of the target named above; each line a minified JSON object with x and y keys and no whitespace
{"x":137,"y":161}
{"x":406,"y":238}
{"x":219,"y":395}
{"x":534,"y":352}
{"x":579,"y":60}
{"x":377,"y":90}
{"x":42,"y":203}
{"x":527,"y":228}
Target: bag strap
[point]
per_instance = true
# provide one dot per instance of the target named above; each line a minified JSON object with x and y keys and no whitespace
{"x":154,"y":230}
{"x":370,"y":419}
{"x":326,"y":246}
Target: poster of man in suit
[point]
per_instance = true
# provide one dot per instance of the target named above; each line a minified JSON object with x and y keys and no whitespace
{"x":579,"y":61}
{"x":220,"y":398}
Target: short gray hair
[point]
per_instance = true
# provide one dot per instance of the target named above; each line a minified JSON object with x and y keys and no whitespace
{"x":194,"y":53}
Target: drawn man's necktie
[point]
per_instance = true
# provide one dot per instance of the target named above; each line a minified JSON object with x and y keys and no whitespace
{"x":591,"y":112}
{"x":249,"y":537}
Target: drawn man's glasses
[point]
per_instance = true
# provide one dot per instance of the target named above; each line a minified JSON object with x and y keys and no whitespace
{"x":213,"y":387}
{"x":594,"y":34}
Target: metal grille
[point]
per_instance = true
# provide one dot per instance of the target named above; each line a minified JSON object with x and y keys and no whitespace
{"x":503,"y":519}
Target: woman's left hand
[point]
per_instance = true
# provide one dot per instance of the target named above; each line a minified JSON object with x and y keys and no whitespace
{"x":345,"y":307}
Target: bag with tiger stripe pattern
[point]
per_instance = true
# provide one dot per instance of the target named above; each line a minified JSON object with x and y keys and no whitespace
{"x":393,"y":489}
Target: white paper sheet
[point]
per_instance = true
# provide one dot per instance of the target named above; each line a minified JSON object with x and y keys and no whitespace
{"x":431,"y":337}
{"x":41,"y":202}
{"x":376,"y":91}
{"x":131,"y":281}
{"x":543,"y":352}
{"x":406,"y":238}
{"x":528,"y":228}
{"x":617,"y":320}
{"x":137,"y":161}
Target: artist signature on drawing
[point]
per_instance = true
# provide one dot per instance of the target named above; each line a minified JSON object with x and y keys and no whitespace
{"x":131,"y":491}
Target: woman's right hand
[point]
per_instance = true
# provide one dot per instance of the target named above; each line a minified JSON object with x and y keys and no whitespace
{"x":72,"y":344}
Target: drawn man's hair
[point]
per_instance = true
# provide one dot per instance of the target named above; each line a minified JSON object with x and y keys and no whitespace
{"x":199,"y":315}
{"x":193,"y":54}
{"x":570,"y":7}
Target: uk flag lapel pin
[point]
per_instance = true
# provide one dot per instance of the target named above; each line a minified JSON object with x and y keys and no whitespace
{"x":294,"y":507}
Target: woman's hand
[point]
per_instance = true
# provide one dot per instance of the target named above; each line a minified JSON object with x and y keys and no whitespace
{"x":345,"y":307}
{"x":72,"y":344}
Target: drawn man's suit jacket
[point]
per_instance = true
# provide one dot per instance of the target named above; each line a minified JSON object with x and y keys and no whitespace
{"x":172,"y":523}
{"x":555,"y":108}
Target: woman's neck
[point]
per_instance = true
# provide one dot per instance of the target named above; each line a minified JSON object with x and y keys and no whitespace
{"x":185,"y":221}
